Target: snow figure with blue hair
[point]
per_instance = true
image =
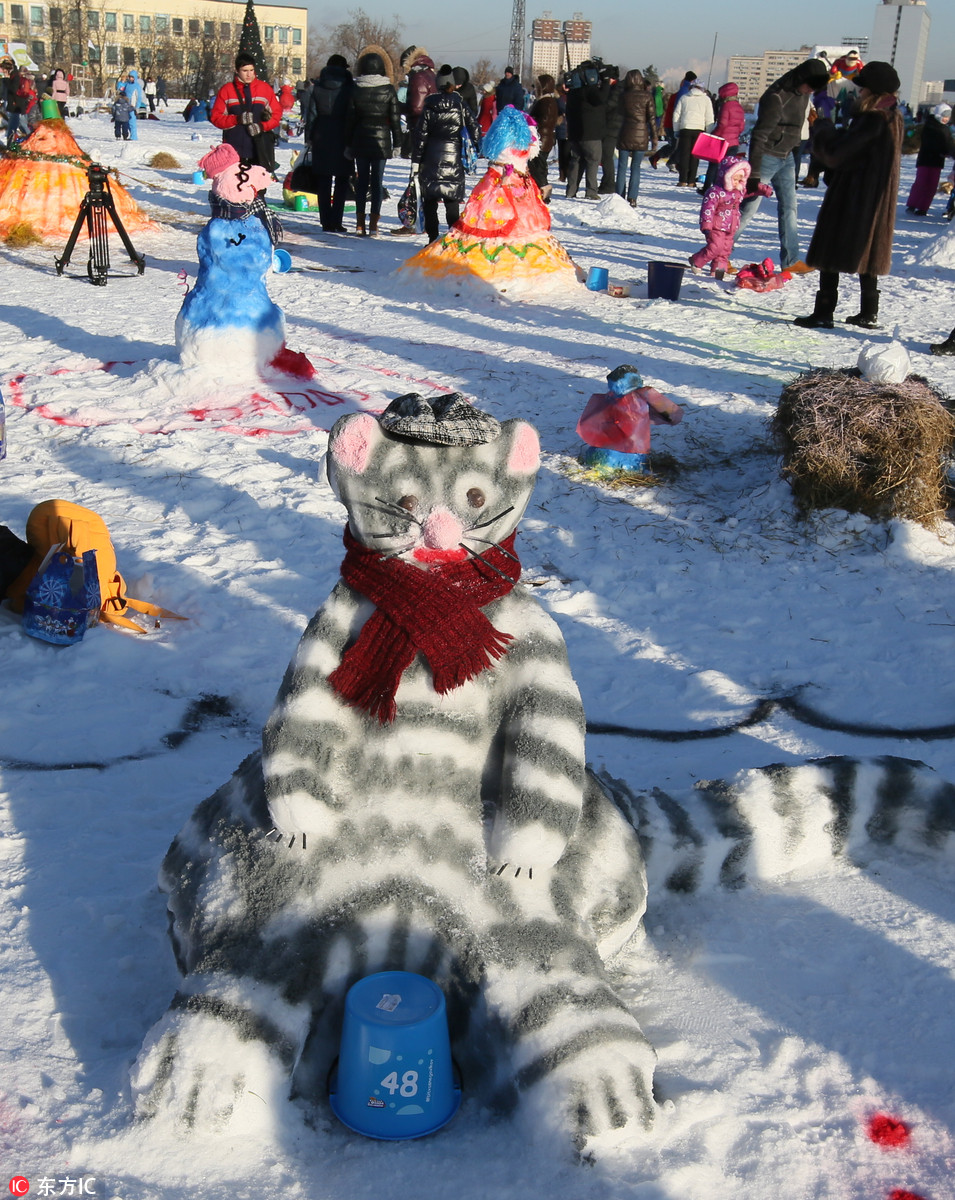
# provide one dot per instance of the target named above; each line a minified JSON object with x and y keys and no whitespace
{"x":503,"y":239}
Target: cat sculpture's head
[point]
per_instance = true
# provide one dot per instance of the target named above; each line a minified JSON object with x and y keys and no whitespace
{"x":432,"y":481}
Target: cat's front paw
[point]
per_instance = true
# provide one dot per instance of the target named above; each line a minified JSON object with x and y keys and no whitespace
{"x":584,"y":1092}
{"x":200,"y":1073}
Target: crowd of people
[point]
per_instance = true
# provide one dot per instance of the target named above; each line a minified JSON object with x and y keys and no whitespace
{"x":845,"y":116}
{"x":597,"y":126}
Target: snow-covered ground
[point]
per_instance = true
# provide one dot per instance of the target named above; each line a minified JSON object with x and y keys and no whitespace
{"x":784,"y":1016}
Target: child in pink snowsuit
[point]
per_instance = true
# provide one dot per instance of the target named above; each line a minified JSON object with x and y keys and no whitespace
{"x":719,"y":215}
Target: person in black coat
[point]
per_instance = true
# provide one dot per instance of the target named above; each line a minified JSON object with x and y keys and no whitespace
{"x":466,"y":89}
{"x":436,"y":150}
{"x":372,"y":132}
{"x":613,"y":120}
{"x":325,"y":117}
{"x":509,"y":91}
{"x":937,"y":145}
{"x":586,"y":125}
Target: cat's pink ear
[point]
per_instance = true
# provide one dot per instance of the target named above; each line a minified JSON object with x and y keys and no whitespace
{"x":525,"y":455}
{"x":353,"y":441}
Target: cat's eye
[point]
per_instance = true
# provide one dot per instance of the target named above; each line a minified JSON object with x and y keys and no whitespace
{"x":408,"y":502}
{"x":476,"y":498}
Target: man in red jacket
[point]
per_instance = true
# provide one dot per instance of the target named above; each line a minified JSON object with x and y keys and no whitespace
{"x":244,"y":109}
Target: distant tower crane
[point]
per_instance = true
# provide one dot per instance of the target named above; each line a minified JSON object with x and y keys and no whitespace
{"x":515,"y":51}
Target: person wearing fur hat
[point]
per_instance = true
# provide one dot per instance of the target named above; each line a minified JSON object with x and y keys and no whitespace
{"x":372,"y":133}
{"x":638,"y":132}
{"x":545,"y":112}
{"x":937,"y":144}
{"x":326,"y":115}
{"x":856,"y":221}
{"x":436,"y":151}
{"x":782,"y":113}
{"x":419,"y":69}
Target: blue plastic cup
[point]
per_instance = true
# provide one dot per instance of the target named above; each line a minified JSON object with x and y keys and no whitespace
{"x":281,"y":261}
{"x":395,"y":1079}
{"x":598,"y":279}
{"x":198,"y":177}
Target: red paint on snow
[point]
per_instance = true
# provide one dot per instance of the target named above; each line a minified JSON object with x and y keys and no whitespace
{"x":888,"y":1132}
{"x":902,"y":1194}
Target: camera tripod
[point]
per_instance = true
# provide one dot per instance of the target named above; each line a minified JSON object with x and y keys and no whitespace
{"x":95,"y":206}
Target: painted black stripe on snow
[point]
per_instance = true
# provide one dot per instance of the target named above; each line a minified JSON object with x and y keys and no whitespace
{"x":894,"y":793}
{"x":718,"y":797}
{"x":207,"y":710}
{"x":248,"y":1025}
{"x":598,"y":1035}
{"x":561,"y":997}
{"x":940,"y":822}
{"x":787,"y":804}
{"x":347,"y":916}
{"x":841,"y":796}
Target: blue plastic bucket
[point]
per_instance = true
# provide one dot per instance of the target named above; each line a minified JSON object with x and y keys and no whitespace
{"x":664,"y":280}
{"x":395,"y":1079}
{"x":198,"y":177}
{"x":603,"y":459}
{"x":281,"y":261}
{"x":598,"y":279}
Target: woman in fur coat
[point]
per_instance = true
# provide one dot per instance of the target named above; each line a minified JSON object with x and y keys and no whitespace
{"x":856,"y":221}
{"x":545,"y":112}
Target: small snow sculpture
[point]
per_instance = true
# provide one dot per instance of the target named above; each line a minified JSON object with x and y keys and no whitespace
{"x":616,"y":423}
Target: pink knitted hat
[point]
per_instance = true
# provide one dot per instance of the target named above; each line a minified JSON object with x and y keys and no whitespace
{"x":217,"y":160}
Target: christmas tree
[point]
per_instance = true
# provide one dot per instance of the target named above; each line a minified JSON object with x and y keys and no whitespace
{"x":251,"y":40}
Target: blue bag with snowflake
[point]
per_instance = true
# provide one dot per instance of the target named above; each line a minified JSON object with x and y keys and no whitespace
{"x":63,"y":599}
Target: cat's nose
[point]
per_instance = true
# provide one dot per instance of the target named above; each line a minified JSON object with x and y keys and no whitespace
{"x":442,"y":530}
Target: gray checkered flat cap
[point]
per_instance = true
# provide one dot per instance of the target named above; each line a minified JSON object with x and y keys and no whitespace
{"x":449,"y":420}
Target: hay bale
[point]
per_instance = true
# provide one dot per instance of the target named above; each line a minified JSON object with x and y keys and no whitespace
{"x":163,"y":161}
{"x":874,"y":448}
{"x":22,"y":234}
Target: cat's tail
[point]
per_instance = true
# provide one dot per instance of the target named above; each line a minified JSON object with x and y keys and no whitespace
{"x":779,"y":819}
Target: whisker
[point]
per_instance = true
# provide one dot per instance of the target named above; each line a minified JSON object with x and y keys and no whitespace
{"x":498,"y":546}
{"x":401,"y":533}
{"x":391,"y":509}
{"x":483,"y":560}
{"x":490,"y":520}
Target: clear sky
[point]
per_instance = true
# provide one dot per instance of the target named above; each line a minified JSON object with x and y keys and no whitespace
{"x":673,"y":35}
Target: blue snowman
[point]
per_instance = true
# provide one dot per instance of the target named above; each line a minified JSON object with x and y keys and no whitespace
{"x":228,"y":324}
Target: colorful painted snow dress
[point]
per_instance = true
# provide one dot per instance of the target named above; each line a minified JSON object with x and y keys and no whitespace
{"x":503,"y":237}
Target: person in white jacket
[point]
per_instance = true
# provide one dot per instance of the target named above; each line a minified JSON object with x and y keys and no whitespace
{"x":692,"y":116}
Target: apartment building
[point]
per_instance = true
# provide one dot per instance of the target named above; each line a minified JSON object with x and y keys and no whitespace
{"x":192,"y":43}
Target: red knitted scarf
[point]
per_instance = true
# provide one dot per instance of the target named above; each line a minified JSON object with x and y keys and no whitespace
{"x":436,"y":612}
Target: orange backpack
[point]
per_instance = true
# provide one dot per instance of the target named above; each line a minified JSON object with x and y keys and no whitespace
{"x":80,"y":529}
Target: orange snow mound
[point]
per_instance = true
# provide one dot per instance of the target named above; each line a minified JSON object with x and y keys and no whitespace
{"x":48,"y":194}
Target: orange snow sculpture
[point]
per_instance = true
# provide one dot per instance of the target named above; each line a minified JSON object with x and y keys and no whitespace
{"x":44,"y":181}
